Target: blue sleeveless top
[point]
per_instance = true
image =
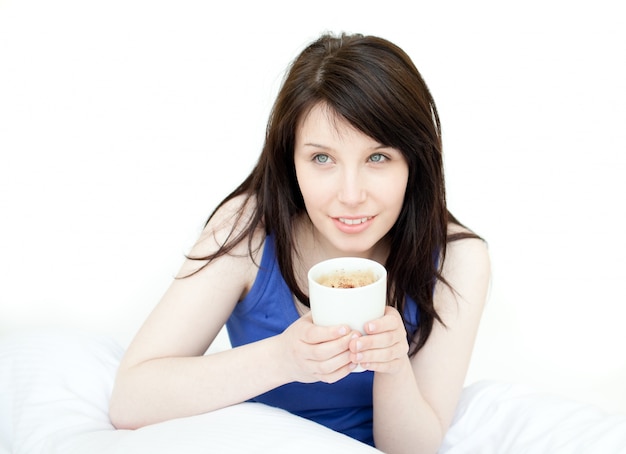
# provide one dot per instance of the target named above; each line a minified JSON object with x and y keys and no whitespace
{"x":267,"y":310}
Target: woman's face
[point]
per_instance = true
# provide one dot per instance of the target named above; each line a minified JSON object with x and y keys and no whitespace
{"x":353,"y":186}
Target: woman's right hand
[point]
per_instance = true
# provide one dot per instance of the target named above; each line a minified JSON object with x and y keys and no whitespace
{"x":317,"y":353}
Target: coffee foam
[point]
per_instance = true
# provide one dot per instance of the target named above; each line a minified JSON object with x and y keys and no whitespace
{"x":347,"y":279}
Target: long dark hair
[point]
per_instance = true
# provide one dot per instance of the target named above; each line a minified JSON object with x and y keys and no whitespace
{"x":375,"y":86}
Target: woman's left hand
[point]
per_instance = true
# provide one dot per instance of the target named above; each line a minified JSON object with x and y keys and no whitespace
{"x":385,"y":345}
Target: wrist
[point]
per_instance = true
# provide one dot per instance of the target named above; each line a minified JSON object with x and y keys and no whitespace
{"x":279,"y":355}
{"x":401,"y":372}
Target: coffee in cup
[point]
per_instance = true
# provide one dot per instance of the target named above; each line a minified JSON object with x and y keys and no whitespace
{"x":347,"y":290}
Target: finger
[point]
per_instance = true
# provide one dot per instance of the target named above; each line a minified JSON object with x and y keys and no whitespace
{"x":324,"y":351}
{"x":383,"y":367}
{"x":334,"y":368}
{"x":378,"y":347}
{"x":316,"y":334}
{"x":378,"y":355}
{"x":382,"y":360}
{"x":385,"y":339}
{"x":338,"y":374}
{"x":388,"y":322}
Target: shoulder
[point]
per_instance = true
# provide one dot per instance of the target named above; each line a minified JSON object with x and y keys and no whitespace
{"x":467,"y":266}
{"x":231,"y":229}
{"x":232,"y":220}
{"x":465,"y":244}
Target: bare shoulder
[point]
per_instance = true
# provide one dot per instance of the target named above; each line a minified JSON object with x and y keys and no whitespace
{"x":226,"y":224}
{"x":467,"y":266}
{"x":466,"y":251}
{"x":240,"y":261}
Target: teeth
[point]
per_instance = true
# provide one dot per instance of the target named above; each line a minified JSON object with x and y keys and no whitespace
{"x":352,"y":221}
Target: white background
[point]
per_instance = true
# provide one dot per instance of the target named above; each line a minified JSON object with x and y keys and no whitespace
{"x":123,"y":123}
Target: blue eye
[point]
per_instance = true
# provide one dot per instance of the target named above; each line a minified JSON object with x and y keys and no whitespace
{"x":377,"y":157}
{"x":321,"y":158}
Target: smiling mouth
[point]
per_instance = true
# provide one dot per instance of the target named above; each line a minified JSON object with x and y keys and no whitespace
{"x":354,"y":221}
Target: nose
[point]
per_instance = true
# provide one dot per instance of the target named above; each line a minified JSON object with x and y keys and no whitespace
{"x":352,"y":188}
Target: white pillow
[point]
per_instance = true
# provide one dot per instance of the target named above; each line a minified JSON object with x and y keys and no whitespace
{"x":55,"y":389}
{"x":494,"y":418}
{"x":58,"y":383}
{"x":56,"y":402}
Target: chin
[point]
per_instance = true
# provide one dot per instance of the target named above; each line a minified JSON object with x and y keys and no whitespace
{"x":355,"y":247}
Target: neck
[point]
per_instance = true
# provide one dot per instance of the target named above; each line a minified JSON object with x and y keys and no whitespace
{"x":313,"y":248}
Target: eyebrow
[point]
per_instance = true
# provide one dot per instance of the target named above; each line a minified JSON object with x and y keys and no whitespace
{"x":316,"y":145}
{"x":324,"y":147}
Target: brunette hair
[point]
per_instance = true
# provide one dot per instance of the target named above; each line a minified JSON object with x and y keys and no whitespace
{"x":374,"y":85}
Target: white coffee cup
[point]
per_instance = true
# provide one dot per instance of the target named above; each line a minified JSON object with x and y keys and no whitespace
{"x":354,"y":306}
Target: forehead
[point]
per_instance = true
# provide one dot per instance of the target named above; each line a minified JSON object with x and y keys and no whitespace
{"x":322,"y":122}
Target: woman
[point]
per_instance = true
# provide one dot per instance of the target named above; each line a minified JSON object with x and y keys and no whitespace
{"x":351,"y":166}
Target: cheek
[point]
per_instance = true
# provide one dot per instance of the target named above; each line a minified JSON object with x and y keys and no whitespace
{"x":395,"y":189}
{"x":401,"y":190}
{"x":309,"y":190}
{"x":398,"y":201}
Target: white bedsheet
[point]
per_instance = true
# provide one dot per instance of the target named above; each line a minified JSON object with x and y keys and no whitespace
{"x":55,"y":389}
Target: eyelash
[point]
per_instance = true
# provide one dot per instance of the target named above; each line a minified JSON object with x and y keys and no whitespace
{"x":381,"y":158}
{"x":317,"y":156}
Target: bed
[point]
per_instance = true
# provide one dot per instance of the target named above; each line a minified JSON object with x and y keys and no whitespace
{"x":122,"y":124}
{"x":56,"y":384}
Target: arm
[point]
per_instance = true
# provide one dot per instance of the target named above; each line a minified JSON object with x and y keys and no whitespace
{"x":415,"y":398}
{"x":165,"y":374}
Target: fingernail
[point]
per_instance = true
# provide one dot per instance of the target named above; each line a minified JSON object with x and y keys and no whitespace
{"x":371,"y":327}
{"x":359,"y":344}
{"x":355,"y":336}
{"x":359,"y":356}
{"x":342,"y":331}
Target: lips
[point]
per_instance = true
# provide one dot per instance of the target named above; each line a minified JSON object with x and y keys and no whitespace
{"x":353,"y":225}
{"x":354,"y":221}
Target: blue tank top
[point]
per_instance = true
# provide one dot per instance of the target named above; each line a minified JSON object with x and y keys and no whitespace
{"x":267,"y":310}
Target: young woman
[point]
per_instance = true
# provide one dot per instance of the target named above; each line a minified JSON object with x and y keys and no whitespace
{"x":351,"y":166}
